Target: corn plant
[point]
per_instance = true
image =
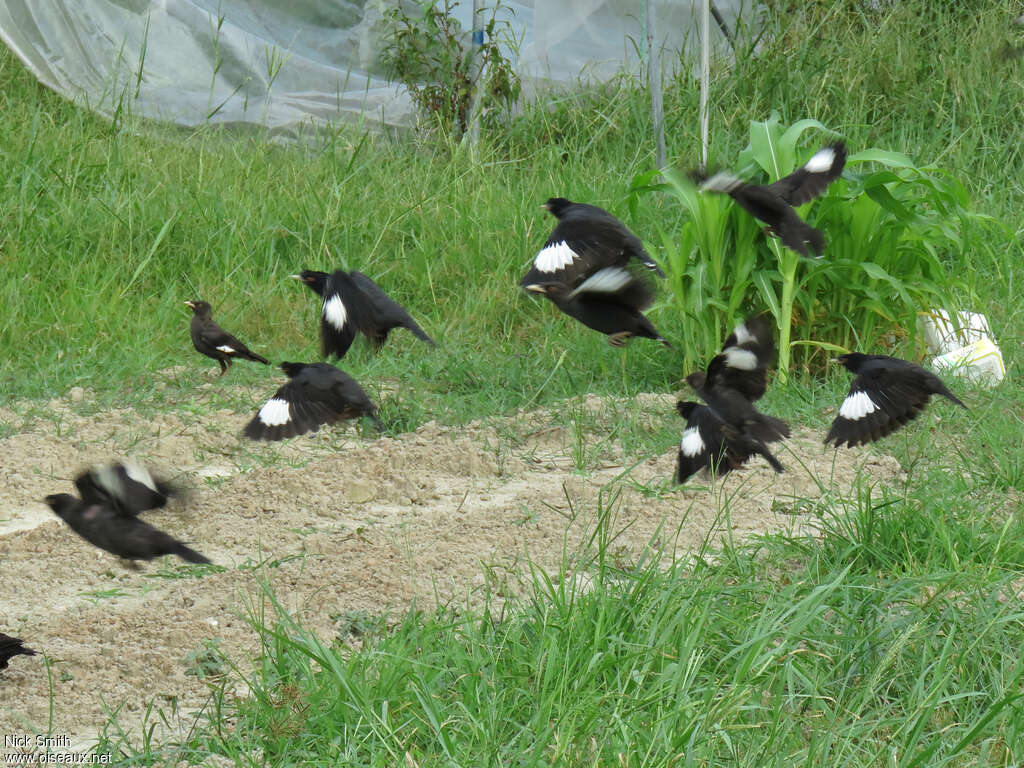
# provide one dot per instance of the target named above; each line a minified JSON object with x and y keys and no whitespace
{"x":896,"y":239}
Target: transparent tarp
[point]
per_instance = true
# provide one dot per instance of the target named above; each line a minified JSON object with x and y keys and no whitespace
{"x":291,"y":65}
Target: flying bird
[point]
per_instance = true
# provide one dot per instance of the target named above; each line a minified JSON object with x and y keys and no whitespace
{"x":112,"y":525}
{"x":773,"y":203}
{"x":213,"y":341}
{"x":128,"y":486}
{"x":725,"y":433}
{"x":11,"y":647}
{"x":586,"y":240}
{"x":317,"y":394}
{"x":353,"y":303}
{"x":610,"y":301}
{"x":885,"y":394}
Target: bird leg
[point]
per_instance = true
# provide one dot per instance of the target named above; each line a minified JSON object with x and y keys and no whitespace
{"x":223,"y":368}
{"x":619,"y":339}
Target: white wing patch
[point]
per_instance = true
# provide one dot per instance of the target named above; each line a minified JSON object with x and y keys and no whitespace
{"x":822,"y":161}
{"x":742,"y":334}
{"x":107,"y":477}
{"x":274,"y":412}
{"x":555,"y":257}
{"x":334,"y":312}
{"x":226,"y":349}
{"x":607,"y":280}
{"x":692,"y":444}
{"x":139,"y":474}
{"x":743,"y":359}
{"x":721,"y":182}
{"x":857,"y":405}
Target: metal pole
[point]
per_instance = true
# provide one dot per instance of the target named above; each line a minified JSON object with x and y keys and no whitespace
{"x":705,"y":65}
{"x":475,"y":101}
{"x":654,"y":83}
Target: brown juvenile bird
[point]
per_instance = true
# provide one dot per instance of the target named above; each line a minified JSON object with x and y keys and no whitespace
{"x":213,"y":341}
{"x":11,"y":647}
{"x":773,"y":203}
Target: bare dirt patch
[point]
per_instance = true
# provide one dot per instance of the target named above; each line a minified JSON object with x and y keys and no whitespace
{"x":336,"y":523}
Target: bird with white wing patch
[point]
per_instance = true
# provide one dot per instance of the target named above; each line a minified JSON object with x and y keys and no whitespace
{"x":885,"y":394}
{"x":773,"y":203}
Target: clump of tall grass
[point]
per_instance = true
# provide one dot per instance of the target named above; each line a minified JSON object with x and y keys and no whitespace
{"x":898,"y":238}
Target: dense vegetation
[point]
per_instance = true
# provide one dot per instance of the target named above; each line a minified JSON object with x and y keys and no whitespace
{"x":892,"y":639}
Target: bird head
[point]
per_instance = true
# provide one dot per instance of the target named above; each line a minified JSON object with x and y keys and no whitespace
{"x":199,"y":307}
{"x":697,"y":380}
{"x":61,"y":503}
{"x":292,"y":370}
{"x":686,"y":409}
{"x":557,"y":206}
{"x":315,"y":280}
{"x":851,"y":361}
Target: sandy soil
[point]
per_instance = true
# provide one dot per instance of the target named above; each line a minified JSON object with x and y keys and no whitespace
{"x":342,"y":522}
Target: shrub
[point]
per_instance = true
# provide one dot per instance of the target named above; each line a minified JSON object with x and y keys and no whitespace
{"x":428,"y":54}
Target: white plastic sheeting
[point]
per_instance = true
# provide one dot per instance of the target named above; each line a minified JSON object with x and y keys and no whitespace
{"x":292,"y":65}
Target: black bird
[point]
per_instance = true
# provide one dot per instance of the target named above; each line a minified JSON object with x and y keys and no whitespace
{"x":729,"y":430}
{"x":114,"y":527}
{"x":11,"y":647}
{"x":886,"y":393}
{"x":353,"y":303}
{"x":213,"y":341}
{"x":128,"y":486}
{"x":317,"y":393}
{"x":585,"y":240}
{"x":610,"y":301}
{"x":773,"y":203}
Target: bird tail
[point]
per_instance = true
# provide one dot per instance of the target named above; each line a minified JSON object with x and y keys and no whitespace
{"x":190,"y":555}
{"x":950,"y":396}
{"x":768,"y":429}
{"x":419,"y":333}
{"x":258,"y":358}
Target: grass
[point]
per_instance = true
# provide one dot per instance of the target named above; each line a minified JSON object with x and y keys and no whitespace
{"x":891,"y":638}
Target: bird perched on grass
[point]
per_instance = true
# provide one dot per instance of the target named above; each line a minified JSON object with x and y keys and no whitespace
{"x":726,"y":432}
{"x":11,"y":647}
{"x":610,"y":301}
{"x":112,"y":525}
{"x":213,"y":341}
{"x":773,"y":203}
{"x":885,"y":394}
{"x":586,"y":240}
{"x":317,"y":393}
{"x":353,"y":303}
{"x":127,"y":486}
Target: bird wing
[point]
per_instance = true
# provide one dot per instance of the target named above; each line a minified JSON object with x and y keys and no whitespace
{"x":813,"y":177}
{"x":383,"y":312}
{"x":129,"y":487}
{"x":745,"y":358}
{"x":617,"y":285}
{"x":702,"y":444}
{"x":342,"y":314}
{"x":579,"y":247}
{"x":216,"y":338}
{"x":880,"y":401}
{"x":288,"y":413}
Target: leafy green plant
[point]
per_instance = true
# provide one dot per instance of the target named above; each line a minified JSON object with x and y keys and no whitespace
{"x":428,"y":53}
{"x":897,"y":236}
